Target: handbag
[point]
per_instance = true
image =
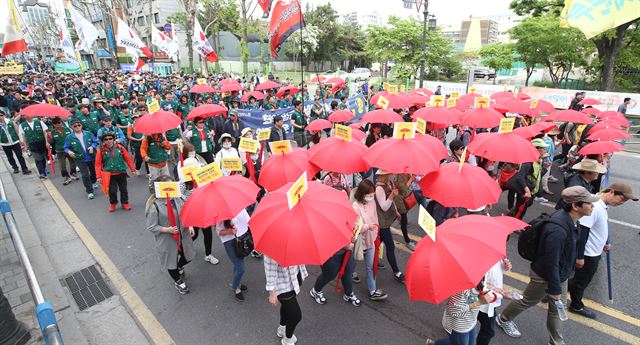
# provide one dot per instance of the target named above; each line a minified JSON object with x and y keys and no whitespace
{"x":244,"y":244}
{"x":358,"y":251}
{"x":410,"y":201}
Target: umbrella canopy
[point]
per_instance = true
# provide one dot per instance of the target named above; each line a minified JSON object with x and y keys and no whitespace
{"x":512,"y":105}
{"x":542,"y":107}
{"x":228,"y":81}
{"x":404,"y":156}
{"x":280,"y":169}
{"x":311,"y":232}
{"x":381,"y":116}
{"x":318,"y":125}
{"x":335,"y":81}
{"x":318,"y":79}
{"x":503,"y":147}
{"x":219,"y":200}
{"x":45,"y":109}
{"x":608,"y":134}
{"x":590,"y":111}
{"x":255,"y":94}
{"x":417,"y":99}
{"x":470,"y":187}
{"x":341,"y":116}
{"x":201,"y":88}
{"x":267,"y":85}
{"x":569,"y":116}
{"x":600,"y":147}
{"x":158,"y":122}
{"x":351,"y":155}
{"x":291,"y":88}
{"x":396,"y":101}
{"x":590,"y":101}
{"x":529,"y":132}
{"x":231,"y":87}
{"x":440,"y":115}
{"x":421,"y":91}
{"x":434,"y":144}
{"x":462,"y":253}
{"x":508,"y":94}
{"x":614,"y":116}
{"x":481,"y":118}
{"x":605,"y":125}
{"x":206,"y":110}
{"x":358,"y":134}
{"x":469,"y":98}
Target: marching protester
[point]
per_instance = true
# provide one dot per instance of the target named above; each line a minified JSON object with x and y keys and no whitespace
{"x":11,"y":144}
{"x":34,"y":133}
{"x":153,"y":150}
{"x":113,"y":159}
{"x":229,"y":230}
{"x":59,"y":135}
{"x":81,"y":146}
{"x":299,"y":122}
{"x":200,"y":137}
{"x":226,"y":151}
{"x":386,"y":191}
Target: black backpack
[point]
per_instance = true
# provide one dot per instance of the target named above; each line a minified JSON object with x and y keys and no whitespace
{"x":529,"y":239}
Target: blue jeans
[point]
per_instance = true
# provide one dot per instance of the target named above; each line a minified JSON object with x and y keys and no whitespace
{"x":456,"y":338}
{"x":238,"y":263}
{"x":368,"y":261}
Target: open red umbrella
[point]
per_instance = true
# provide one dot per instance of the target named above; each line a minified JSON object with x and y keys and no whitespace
{"x":608,"y":113}
{"x":440,"y":115}
{"x":335,"y":81}
{"x":417,"y":99}
{"x":512,"y":105}
{"x":605,"y":125}
{"x":589,"y":101}
{"x":529,"y":132}
{"x":267,"y":85}
{"x":206,"y":110}
{"x":396,"y":101}
{"x":318,"y":79}
{"x":600,"y":147}
{"x":421,"y":91}
{"x":463,"y":251}
{"x":404,"y":156}
{"x":503,"y":147}
{"x":481,"y":118}
{"x":509,"y":94}
{"x":228,"y":81}
{"x":434,"y":144}
{"x":614,"y":116}
{"x":219,"y":200}
{"x":469,"y":98}
{"x":358,"y":135}
{"x":341,"y":116}
{"x":569,"y":116}
{"x":590,"y":111}
{"x":157,"y":122}
{"x":542,"y":107}
{"x":291,"y":88}
{"x":608,"y":134}
{"x":255,"y":94}
{"x":231,"y":87}
{"x":201,"y":88}
{"x":351,"y":155}
{"x":45,"y":110}
{"x":381,"y":116}
{"x":280,"y":169}
{"x":318,"y":125}
{"x":470,"y":187}
{"x":311,"y":232}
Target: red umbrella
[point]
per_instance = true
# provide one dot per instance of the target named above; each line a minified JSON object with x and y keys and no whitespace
{"x":255,"y":94}
{"x":605,"y":125}
{"x":318,"y":79}
{"x":219,"y":200}
{"x":470,"y":187}
{"x":589,"y":101}
{"x":462,"y":105}
{"x":608,"y":134}
{"x":542,"y":107}
{"x":231,"y":88}
{"x":469,"y":98}
{"x":381,"y":116}
{"x":503,"y":147}
{"x":512,"y":105}
{"x":335,"y":81}
{"x":206,"y":110}
{"x":201,"y":88}
{"x":358,"y":134}
{"x":158,"y":122}
{"x":417,"y":99}
{"x":396,"y":101}
{"x":310,"y":233}
{"x":291,"y":88}
{"x":355,"y":126}
{"x":421,"y":91}
{"x":435,"y":145}
{"x":508,"y":94}
{"x":404,"y":156}
{"x":612,"y":116}
{"x":341,"y":116}
{"x":600,"y":147}
{"x":529,"y":132}
{"x":280,"y":169}
{"x":590,"y":111}
{"x":318,"y":125}
{"x":228,"y":81}
{"x":569,"y":116}
{"x":439,"y":115}
{"x":462,"y":253}
{"x":481,"y":118}
{"x":351,"y":155}
{"x":608,"y":113}
{"x":45,"y":109}
{"x":267,"y":85}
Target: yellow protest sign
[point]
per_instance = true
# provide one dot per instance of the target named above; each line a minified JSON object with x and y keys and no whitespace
{"x":473,"y":89}
{"x":248,"y":145}
{"x":383,"y":102}
{"x":481,"y":102}
{"x":595,"y":17}
{"x":437,"y":101}
{"x":297,"y":190}
{"x":427,"y":223}
{"x":231,"y":164}
{"x":11,"y":67}
{"x":393,"y":89}
{"x":403,"y":88}
{"x":506,"y":125}
{"x":167,"y":189}
{"x":264,"y":134}
{"x":187,"y":172}
{"x":533,"y":104}
{"x":207,"y":174}
{"x":201,"y":81}
{"x":404,"y":130}
{"x":281,"y":146}
{"x":421,"y":125}
{"x":357,"y":227}
{"x":463,"y":159}
{"x":452,"y":102}
{"x":385,"y":86}
{"x":455,"y":94}
{"x":342,"y":132}
{"x":153,"y":106}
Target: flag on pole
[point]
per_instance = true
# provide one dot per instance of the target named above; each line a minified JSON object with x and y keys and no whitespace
{"x":201,"y":44}
{"x":266,"y":7}
{"x":66,"y":45}
{"x":285,"y":20}
{"x":87,"y":33}
{"x":596,"y":17}
{"x":128,"y":39}
{"x":135,"y":57}
{"x":162,"y":41}
{"x":14,"y":41}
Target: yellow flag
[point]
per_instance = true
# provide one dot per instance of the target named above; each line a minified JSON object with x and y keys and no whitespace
{"x":595,"y":17}
{"x":342,"y":132}
{"x":427,"y":223}
{"x":295,"y":193}
{"x":404,"y":130}
{"x":421,"y":125}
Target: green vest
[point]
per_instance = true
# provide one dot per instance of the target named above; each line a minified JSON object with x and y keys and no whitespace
{"x":76,"y":146}
{"x":157,"y":154}
{"x":89,"y":122}
{"x":299,"y":120}
{"x":34,"y":135}
{"x":109,"y":94}
{"x":183,"y":110}
{"x":59,"y":138}
{"x":133,"y":143}
{"x":536,"y":177}
{"x":196,"y":140}
{"x":12,"y":132}
{"x":173,"y":134}
{"x":113,"y":160}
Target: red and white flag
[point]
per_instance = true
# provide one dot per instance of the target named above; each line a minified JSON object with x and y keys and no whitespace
{"x":266,"y":7}
{"x":128,"y":39}
{"x":66,"y":45}
{"x":201,"y":44}
{"x":166,"y":44}
{"x":87,"y":32}
{"x":138,"y":62}
{"x":285,"y":20}
{"x":14,"y":41}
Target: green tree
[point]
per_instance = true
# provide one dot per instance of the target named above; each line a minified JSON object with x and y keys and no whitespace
{"x":325,"y":18}
{"x":217,"y":16}
{"x":497,"y":56}
{"x":309,"y":35}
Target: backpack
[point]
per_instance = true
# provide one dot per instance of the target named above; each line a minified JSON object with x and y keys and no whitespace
{"x":529,"y":239}
{"x":244,"y":244}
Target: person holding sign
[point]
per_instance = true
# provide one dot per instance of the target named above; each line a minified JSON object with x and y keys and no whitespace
{"x":227,"y":151}
{"x":299,"y":122}
{"x":200,"y":138}
{"x":112,"y":160}
{"x":277,"y":131}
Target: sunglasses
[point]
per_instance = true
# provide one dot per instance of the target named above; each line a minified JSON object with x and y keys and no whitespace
{"x":76,"y":125}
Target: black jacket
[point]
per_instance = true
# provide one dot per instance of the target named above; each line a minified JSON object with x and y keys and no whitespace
{"x":556,"y":253}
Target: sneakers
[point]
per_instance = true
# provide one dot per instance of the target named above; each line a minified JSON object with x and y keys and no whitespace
{"x":281,"y":331}
{"x":411,"y":245}
{"x":351,"y":299}
{"x":90,"y":196}
{"x":239,"y":296}
{"x":318,"y":296}
{"x":430,"y":341}
{"x":126,"y":207}
{"x":540,"y":199}
{"x":43,"y":177}
{"x":181,"y":286}
{"x":399,"y":277}
{"x":16,"y":170}
{"x":66,"y":181}
{"x":256,"y":254}
{"x":377,"y":295}
{"x":289,"y":341}
{"x":583,"y":311}
{"x":75,"y":177}
{"x":509,"y":327}
{"x":112,"y":207}
{"x":212,"y":259}
{"x":96,"y":185}
{"x":355,"y":278}
{"x":26,"y":172}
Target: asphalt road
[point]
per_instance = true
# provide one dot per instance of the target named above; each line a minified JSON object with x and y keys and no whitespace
{"x":210,"y":314}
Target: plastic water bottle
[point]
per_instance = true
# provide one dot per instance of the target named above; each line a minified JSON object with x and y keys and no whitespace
{"x":514,"y":295}
{"x":562,"y":312}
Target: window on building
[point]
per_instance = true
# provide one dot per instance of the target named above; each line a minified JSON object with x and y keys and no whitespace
{"x":156,"y":18}
{"x":141,"y":21}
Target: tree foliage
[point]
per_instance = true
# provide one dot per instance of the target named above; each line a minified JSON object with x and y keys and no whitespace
{"x":498,"y":56}
{"x":309,"y":36}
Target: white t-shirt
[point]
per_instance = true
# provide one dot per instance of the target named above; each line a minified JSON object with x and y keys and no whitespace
{"x":226,"y":153}
{"x":598,"y":223}
{"x":495,"y":278}
{"x":241,"y":222}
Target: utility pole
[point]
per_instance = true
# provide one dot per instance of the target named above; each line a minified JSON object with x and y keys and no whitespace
{"x":153,"y":58}
{"x":423,"y":57}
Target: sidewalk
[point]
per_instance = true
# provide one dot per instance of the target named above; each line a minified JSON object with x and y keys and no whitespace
{"x":57,"y":254}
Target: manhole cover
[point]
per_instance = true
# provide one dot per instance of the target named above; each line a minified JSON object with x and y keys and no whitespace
{"x":88,"y":287}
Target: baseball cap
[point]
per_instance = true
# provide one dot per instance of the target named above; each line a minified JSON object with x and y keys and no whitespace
{"x":539,"y":143}
{"x":577,"y":194}
{"x":625,"y":189}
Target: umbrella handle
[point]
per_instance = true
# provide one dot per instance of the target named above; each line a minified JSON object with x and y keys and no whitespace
{"x":345,"y":259}
{"x":609,"y":283}
{"x":376,"y":257}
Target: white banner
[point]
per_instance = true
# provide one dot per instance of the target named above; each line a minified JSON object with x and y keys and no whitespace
{"x":65,"y":42}
{"x":87,"y":33}
{"x":166,"y":44}
{"x":126,"y":38}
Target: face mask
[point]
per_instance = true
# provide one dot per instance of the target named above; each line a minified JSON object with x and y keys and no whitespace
{"x":192,"y":154}
{"x":226,"y":145}
{"x":368,"y":198}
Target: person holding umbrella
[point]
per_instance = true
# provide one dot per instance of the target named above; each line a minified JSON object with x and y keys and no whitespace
{"x":81,"y":146}
{"x":112,"y":160}
{"x":386,"y":192}
{"x":34,"y":133}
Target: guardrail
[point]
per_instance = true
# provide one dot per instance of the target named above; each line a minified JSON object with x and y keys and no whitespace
{"x":44,"y":311}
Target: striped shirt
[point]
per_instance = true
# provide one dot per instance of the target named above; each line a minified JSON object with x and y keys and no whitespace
{"x":457,"y":315}
{"x":282,"y":279}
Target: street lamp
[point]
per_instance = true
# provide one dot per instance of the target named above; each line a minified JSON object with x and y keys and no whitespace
{"x":425,"y":20}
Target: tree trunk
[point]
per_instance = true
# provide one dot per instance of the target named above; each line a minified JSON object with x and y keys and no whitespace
{"x":191,"y":14}
{"x":608,"y":49}
{"x":245,"y":33}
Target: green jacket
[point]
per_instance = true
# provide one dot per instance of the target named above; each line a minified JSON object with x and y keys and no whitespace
{"x":59,"y":138}
{"x":196,"y":140}
{"x":4,"y":139}
{"x":299,"y":120}
{"x":34,"y":135}
{"x":113,"y":160}
{"x":157,"y":154}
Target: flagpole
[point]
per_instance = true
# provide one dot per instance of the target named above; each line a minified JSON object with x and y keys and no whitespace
{"x":301,"y":55}
{"x":153,"y":57}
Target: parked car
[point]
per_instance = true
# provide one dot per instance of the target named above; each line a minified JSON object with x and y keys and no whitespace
{"x":339,"y":73}
{"x":482,"y":72}
{"x":361,"y":73}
